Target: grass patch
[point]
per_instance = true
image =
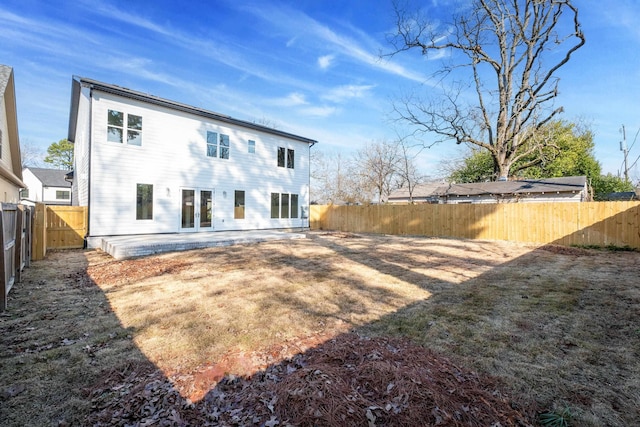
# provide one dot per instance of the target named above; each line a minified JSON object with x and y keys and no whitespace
{"x":557,"y":327}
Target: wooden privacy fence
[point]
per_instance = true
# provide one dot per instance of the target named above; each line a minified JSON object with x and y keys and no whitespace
{"x":564,"y":223}
{"x":58,"y":227}
{"x":15,"y":244}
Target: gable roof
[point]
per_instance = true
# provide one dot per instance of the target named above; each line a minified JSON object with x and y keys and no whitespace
{"x":79,"y":82}
{"x":8,"y":97}
{"x":570,"y":184}
{"x":51,"y":177}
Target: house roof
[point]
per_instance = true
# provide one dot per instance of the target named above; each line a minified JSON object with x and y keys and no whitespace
{"x":8,"y":97}
{"x":51,"y":177}
{"x":78,"y":82}
{"x":525,"y":186}
{"x":622,"y":195}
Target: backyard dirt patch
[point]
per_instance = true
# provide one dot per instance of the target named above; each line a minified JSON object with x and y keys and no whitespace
{"x":193,"y":337}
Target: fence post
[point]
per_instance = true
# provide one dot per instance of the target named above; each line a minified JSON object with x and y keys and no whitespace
{"x":19,"y":253}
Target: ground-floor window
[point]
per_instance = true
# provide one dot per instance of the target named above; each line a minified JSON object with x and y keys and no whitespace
{"x":63,"y":195}
{"x":144,"y":201}
{"x":238,"y":210}
{"x":284,"y":205}
{"x":294,"y":206}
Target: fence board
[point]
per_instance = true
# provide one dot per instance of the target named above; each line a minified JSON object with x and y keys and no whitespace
{"x":8,"y":215}
{"x":567,"y":223}
{"x":66,"y":227}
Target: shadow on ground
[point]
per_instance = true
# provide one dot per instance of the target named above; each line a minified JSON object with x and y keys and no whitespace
{"x":552,"y":327}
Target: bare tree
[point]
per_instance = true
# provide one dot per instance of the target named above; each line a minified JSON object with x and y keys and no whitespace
{"x":31,"y":155}
{"x":377,"y":166}
{"x":407,"y":170}
{"x":333,"y":179}
{"x":509,"y":51}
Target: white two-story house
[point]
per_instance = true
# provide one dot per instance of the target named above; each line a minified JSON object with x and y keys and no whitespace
{"x":143,"y":165}
{"x":48,"y":186}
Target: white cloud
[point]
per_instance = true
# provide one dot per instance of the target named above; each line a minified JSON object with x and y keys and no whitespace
{"x":212,"y":48}
{"x":342,"y":93}
{"x":325,"y":61}
{"x":319,"y":111}
{"x":292,"y":100}
{"x":298,"y":24}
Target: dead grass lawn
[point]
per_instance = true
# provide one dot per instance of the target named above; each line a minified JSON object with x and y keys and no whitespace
{"x":559,"y":326}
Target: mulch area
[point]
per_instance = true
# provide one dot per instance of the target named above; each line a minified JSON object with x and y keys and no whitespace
{"x":350,"y":380}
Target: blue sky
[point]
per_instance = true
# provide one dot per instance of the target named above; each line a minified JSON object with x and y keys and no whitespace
{"x":308,"y":67}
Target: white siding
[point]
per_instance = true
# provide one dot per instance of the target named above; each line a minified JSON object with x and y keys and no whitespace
{"x":33,"y":184}
{"x":172,"y":157}
{"x":50,"y":195}
{"x":9,"y":192}
{"x":81,"y":150}
{"x":5,"y":152}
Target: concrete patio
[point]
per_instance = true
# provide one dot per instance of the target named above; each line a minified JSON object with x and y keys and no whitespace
{"x":123,"y":247}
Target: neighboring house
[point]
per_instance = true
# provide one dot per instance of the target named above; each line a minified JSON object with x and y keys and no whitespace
{"x":565,"y":189}
{"x":48,"y":186}
{"x":10,"y":162}
{"x":144,"y":164}
{"x":622,"y":196}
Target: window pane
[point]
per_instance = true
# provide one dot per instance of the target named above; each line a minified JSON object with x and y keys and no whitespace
{"x":144,"y":202}
{"x":252,"y":146}
{"x":134,"y":122}
{"x":188,"y":209}
{"x":62,"y":195}
{"x":275,"y":205}
{"x":224,"y":146}
{"x":238,"y":212}
{"x":134,"y":137}
{"x":224,"y":141}
{"x":281,"y":157}
{"x":284,"y":208}
{"x":206,"y":208}
{"x":290,"y":159}
{"x":115,"y":118}
{"x":212,"y":137}
{"x":114,"y":135}
{"x":294,"y":206}
{"x":212,"y":144}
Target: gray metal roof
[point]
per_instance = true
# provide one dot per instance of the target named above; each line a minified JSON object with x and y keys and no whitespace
{"x":51,"y":177}
{"x":77,"y":82}
{"x":525,"y":186}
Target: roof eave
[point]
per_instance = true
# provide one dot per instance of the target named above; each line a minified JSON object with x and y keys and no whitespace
{"x":139,"y":96}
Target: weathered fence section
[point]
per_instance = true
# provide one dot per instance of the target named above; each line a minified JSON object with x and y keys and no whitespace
{"x":15,"y":237}
{"x":58,"y":227}
{"x":592,"y":223}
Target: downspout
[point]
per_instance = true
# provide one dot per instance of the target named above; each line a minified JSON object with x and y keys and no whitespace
{"x":309,"y":188}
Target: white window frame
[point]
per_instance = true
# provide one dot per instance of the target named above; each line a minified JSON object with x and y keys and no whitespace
{"x":125,"y":129}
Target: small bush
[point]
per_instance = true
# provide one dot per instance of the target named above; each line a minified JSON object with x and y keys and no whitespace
{"x":556,"y":418}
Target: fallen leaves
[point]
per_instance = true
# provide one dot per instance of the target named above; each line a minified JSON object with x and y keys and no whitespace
{"x":350,"y":380}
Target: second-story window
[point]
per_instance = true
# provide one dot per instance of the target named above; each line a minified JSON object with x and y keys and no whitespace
{"x":120,"y":124}
{"x":290,"y":157}
{"x":286,"y":157}
{"x":224,"y":146}
{"x":217,"y":145}
{"x":281,"y":156}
